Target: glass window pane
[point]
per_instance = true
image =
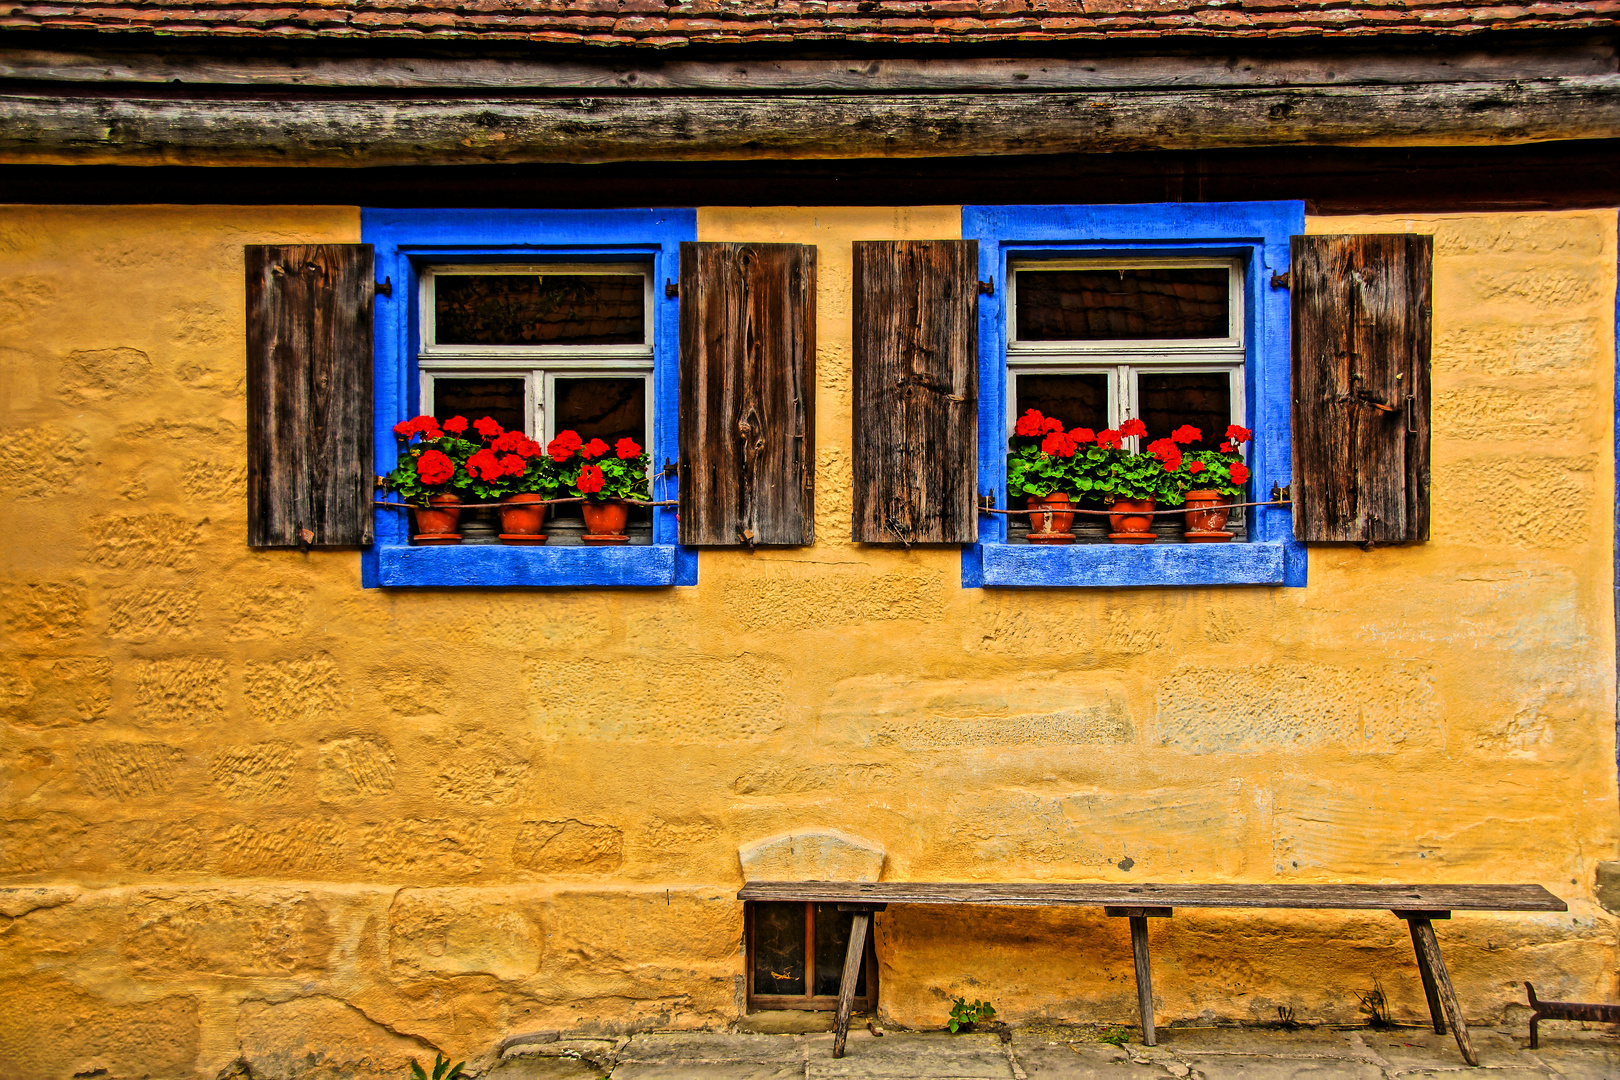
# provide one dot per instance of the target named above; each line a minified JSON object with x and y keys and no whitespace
{"x":1077,"y":400}
{"x":607,"y":409}
{"x":1202,"y":399}
{"x":1123,"y":304}
{"x":832,"y":942}
{"x":778,"y":948}
{"x":499,"y":399}
{"x":539,"y":309}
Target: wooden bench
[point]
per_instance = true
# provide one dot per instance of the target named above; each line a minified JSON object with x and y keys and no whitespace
{"x":1418,"y":905}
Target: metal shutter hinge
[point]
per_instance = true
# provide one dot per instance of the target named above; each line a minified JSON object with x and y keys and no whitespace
{"x":1280,"y":281}
{"x":987,"y":288}
{"x":386,"y":286}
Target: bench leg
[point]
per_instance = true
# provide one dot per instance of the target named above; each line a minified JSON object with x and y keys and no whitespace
{"x":1430,"y":991}
{"x":852,"y":973}
{"x":1144,"y":979}
{"x":1429,"y":961}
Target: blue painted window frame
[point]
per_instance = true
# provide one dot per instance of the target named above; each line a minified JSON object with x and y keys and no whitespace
{"x":407,"y":241}
{"x":1256,"y":232}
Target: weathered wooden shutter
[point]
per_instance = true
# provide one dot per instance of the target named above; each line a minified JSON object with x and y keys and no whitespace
{"x":1361,"y":329}
{"x":309,"y":364}
{"x":916,"y":391}
{"x":748,"y":374}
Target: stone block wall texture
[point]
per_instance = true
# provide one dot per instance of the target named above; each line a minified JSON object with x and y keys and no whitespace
{"x":250,"y":810}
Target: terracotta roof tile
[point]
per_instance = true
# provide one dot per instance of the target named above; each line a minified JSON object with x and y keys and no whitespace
{"x":673,"y":23}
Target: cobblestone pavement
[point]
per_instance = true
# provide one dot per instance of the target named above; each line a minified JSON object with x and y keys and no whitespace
{"x":1049,"y":1053}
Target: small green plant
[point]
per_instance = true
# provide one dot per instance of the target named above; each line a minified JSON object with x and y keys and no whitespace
{"x":963,"y":1013}
{"x":442,"y":1069}
{"x":1115,"y":1036}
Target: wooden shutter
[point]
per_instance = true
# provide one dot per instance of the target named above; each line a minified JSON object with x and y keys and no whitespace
{"x":1361,"y":328}
{"x":916,"y":391}
{"x":748,"y":373}
{"x":309,"y":366}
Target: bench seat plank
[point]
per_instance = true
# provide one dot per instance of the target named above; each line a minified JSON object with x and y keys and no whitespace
{"x":1432,"y":898}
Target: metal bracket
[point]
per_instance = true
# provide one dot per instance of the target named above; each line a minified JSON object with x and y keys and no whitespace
{"x":987,"y":502}
{"x":1282,"y":493}
{"x":671,"y":290}
{"x":1280,"y":281}
{"x":671,"y":468}
{"x":987,"y":288}
{"x":386,"y":286}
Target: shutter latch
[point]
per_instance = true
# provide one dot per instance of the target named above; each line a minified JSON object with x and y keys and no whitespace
{"x":671,"y":290}
{"x":386,"y":286}
{"x":1280,"y":281}
{"x":987,"y":288}
{"x":1282,"y":492}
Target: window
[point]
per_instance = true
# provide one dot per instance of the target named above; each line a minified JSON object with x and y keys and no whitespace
{"x":545,"y":321}
{"x":782,"y":937}
{"x":542,"y":348}
{"x":1164,"y":312}
{"x":1095,"y":341}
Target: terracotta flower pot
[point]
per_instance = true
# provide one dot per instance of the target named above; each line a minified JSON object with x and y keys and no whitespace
{"x":522,"y":516}
{"x":1053,"y":524}
{"x":1132,"y":521}
{"x":605,"y":521}
{"x":1206,"y":516}
{"x":436,"y":523}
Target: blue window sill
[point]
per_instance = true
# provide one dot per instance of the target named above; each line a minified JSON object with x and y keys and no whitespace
{"x":494,"y":566}
{"x":1028,"y":566}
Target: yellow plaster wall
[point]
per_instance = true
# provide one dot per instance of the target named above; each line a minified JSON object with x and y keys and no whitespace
{"x":247,"y":808}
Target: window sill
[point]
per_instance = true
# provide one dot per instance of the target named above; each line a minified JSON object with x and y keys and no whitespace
{"x":492,"y":566}
{"x":1023,"y":566}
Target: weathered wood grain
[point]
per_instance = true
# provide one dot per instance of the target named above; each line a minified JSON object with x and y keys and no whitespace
{"x":1433,"y":966}
{"x":916,"y":402}
{"x":854,"y":956}
{"x":82,"y":127}
{"x":309,"y":381}
{"x":1361,"y":332}
{"x":1307,"y":67}
{"x":1512,"y":897}
{"x":747,"y":394}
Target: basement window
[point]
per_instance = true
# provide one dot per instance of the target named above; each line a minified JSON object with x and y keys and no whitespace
{"x":796,"y":957}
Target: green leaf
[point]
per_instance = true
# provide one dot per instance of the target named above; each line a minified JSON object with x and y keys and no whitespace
{"x":416,"y":1071}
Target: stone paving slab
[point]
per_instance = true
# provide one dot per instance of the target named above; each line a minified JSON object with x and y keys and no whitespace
{"x":902,"y":1055}
{"x":693,"y":1047}
{"x":1073,"y":1053}
{"x":710,"y":1070}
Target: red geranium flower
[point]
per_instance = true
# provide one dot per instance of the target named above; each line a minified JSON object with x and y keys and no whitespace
{"x":593,"y":449}
{"x":487,"y":428}
{"x":1228,"y":448}
{"x":1083,"y":435}
{"x":560,"y":451}
{"x":513,"y":465}
{"x":1058,"y":445}
{"x":404,"y":429}
{"x":590,"y":479}
{"x":1168,"y":453}
{"x":1031,"y":425}
{"x":456,"y":425}
{"x":1132,"y":427}
{"x":1108,"y":437}
{"x":1240,"y":472}
{"x":1186,"y":433}
{"x":1051,"y":424}
{"x":515,"y":442}
{"x":434,"y":468}
{"x":627,"y":448}
{"x":485,"y":465}
{"x":1238,"y":434}
{"x":1196,"y":467}
{"x":570,"y":438}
